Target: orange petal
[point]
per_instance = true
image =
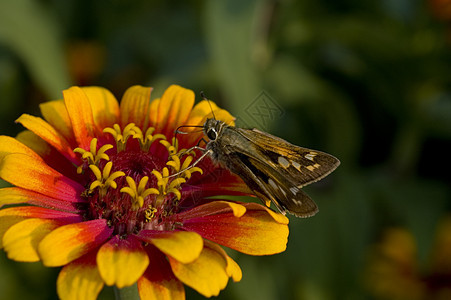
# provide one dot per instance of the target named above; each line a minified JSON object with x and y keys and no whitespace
{"x":80,"y":280}
{"x":158,"y":281}
{"x":203,"y":111}
{"x":258,"y":232}
{"x":183,"y":246}
{"x":173,"y":109}
{"x":49,"y":154}
{"x":80,"y":113}
{"x":214,"y":208}
{"x":45,"y":131}
{"x":55,"y":113}
{"x":105,"y":108}
{"x":22,"y":239}
{"x":121,"y":262}
{"x":207,"y":274}
{"x":69,"y":242}
{"x":135,"y":106}
{"x":39,"y":177}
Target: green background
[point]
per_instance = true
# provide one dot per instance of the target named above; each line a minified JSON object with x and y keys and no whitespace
{"x":367,"y":81}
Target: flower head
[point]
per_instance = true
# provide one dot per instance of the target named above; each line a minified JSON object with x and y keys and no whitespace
{"x":396,"y":272}
{"x":110,"y":194}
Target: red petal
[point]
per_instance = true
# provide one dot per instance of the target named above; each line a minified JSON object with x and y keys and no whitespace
{"x":15,"y":195}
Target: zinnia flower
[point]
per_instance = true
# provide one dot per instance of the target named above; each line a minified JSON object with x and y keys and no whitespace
{"x":108,"y":193}
{"x":396,"y":272}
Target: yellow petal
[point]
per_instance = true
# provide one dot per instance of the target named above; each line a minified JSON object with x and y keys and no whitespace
{"x":22,"y":239}
{"x":55,"y":113}
{"x":121,"y":262}
{"x":79,"y":280}
{"x":159,"y":282}
{"x":70,"y":242}
{"x":207,"y":274}
{"x":162,"y":289}
{"x":13,"y":215}
{"x":37,"y":144}
{"x":233,"y":270}
{"x":12,"y":195}
{"x":183,"y":246}
{"x":105,"y":108}
{"x":9,"y":145}
{"x":135,"y":106}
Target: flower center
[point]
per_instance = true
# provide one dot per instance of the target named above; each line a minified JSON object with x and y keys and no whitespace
{"x":137,"y":184}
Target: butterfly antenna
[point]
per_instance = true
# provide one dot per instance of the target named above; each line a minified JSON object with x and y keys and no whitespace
{"x":202,"y":94}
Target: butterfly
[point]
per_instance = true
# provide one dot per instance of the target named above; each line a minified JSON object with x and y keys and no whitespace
{"x":273,"y":169}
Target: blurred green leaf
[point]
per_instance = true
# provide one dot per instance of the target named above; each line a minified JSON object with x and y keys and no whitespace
{"x":34,"y":34}
{"x":230,"y":31}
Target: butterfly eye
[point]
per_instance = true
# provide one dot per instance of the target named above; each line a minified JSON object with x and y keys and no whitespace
{"x":211,"y":133}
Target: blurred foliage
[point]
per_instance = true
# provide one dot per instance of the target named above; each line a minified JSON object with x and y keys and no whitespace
{"x":367,"y":81}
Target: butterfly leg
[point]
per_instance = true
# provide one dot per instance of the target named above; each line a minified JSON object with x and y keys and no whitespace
{"x":205,"y":153}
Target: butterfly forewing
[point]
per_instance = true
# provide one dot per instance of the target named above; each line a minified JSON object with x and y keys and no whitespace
{"x":273,"y":169}
{"x":301,"y":165}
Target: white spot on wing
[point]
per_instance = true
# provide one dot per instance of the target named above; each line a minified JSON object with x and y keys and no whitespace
{"x":310,"y":155}
{"x":294,"y":190}
{"x":310,"y":168}
{"x":273,"y":184}
{"x":283,"y":162}
{"x":298,"y":202}
{"x":296,"y":165}
{"x":283,"y":192}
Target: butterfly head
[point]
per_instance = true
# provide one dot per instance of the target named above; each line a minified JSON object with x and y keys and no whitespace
{"x":213,"y":128}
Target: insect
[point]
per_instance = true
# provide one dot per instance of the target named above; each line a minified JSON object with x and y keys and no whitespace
{"x":274,"y":169}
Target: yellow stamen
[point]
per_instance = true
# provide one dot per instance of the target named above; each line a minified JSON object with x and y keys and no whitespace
{"x":104,"y":179}
{"x":146,"y":140}
{"x":138,"y":194}
{"x":93,"y":156}
{"x":172,"y":147}
{"x":120,"y":136}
